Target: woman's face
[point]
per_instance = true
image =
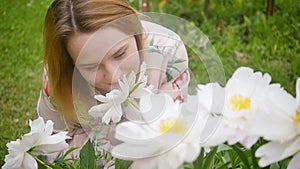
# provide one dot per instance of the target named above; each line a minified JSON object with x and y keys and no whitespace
{"x":104,"y":56}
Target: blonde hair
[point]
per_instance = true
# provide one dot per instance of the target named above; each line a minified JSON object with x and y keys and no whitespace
{"x":65,"y":17}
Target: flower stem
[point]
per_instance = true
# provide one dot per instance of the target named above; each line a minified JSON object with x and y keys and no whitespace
{"x":133,"y":104}
{"x":39,"y":160}
{"x":133,"y":89}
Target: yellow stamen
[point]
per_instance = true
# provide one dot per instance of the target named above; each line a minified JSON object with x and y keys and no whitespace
{"x":297,"y":119}
{"x":171,"y":125}
{"x":238,"y":102}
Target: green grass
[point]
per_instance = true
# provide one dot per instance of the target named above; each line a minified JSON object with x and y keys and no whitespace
{"x":20,"y":66}
{"x":240,"y":32}
{"x":243,"y":35}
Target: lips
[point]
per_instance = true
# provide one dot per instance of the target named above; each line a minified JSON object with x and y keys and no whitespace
{"x":114,"y":85}
{"x":108,"y":87}
{"x":101,"y":91}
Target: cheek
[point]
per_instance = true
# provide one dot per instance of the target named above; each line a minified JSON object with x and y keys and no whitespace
{"x":89,"y":76}
{"x":131,"y":63}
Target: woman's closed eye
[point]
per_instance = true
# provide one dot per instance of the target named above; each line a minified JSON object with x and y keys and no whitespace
{"x":91,"y":68}
{"x":120,"y":53}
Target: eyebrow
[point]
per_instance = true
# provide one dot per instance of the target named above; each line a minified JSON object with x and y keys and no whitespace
{"x":124,"y":47}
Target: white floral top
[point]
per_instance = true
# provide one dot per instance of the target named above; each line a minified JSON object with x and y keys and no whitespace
{"x":164,"y":50}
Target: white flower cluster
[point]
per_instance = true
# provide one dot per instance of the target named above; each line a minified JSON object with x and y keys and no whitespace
{"x":131,"y":88}
{"x":170,"y":133}
{"x":168,"y":136}
{"x":39,"y":141}
{"x":250,"y":107}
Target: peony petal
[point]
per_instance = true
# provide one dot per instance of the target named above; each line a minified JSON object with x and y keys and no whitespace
{"x":215,"y":132}
{"x":133,"y":133}
{"x":115,"y":93}
{"x":214,"y":96}
{"x":295,"y":162}
{"x":282,"y":100}
{"x":142,"y":76}
{"x":30,"y":140}
{"x":192,"y":152}
{"x":132,"y":152}
{"x":37,"y":125}
{"x":248,"y":141}
{"x":98,"y":110}
{"x":29,"y":162}
{"x":106,"y":118}
{"x":13,"y":160}
{"x":145,"y":103}
{"x":292,"y":146}
{"x":279,"y":105}
{"x":130,"y":80}
{"x":51,"y":148}
{"x":149,"y":104}
{"x":53,"y":143}
{"x":48,"y":128}
{"x":102,"y":98}
{"x":241,"y":76}
{"x":276,"y":128}
{"x":125,"y":88}
{"x":145,"y":163}
{"x":162,"y":105}
{"x":116,"y":113}
{"x":15,"y":147}
{"x":172,"y":159}
{"x":270,"y":153}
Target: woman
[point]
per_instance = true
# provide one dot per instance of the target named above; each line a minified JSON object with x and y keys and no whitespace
{"x":89,"y":45}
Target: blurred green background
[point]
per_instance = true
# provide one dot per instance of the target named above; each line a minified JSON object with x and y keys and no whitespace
{"x":242,"y":32}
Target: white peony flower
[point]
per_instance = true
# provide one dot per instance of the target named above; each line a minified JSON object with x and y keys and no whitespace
{"x":110,"y":107}
{"x":211,"y":101}
{"x":131,"y":88}
{"x":168,"y":136}
{"x":18,"y":157}
{"x":280,"y":124}
{"x":244,"y":92}
{"x":233,"y":106}
{"x":38,"y":141}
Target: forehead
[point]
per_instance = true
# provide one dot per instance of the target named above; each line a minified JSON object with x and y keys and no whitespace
{"x":86,"y":47}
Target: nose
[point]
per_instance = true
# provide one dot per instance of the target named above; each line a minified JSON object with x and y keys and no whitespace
{"x":107,"y":70}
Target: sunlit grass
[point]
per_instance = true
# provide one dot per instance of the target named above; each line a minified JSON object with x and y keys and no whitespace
{"x":20,"y":66}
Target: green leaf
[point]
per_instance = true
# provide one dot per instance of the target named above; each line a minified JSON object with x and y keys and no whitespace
{"x":122,"y":164}
{"x":254,"y":159}
{"x":225,"y":165}
{"x":41,"y":166}
{"x":242,"y":156}
{"x":198,"y":162}
{"x":55,"y":166}
{"x":188,"y":166}
{"x":275,"y":166}
{"x":87,"y":156}
{"x":69,"y":151}
{"x":209,"y":158}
